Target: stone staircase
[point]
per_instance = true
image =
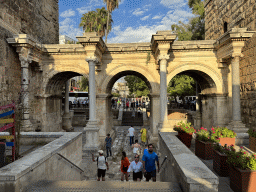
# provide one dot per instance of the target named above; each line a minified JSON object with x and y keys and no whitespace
{"x":128,"y":120}
{"x":95,"y":186}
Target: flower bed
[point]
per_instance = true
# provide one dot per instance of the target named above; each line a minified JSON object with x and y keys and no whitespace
{"x":204,"y":150}
{"x":252,"y":139}
{"x":223,"y":136}
{"x":185,"y":131}
{"x":220,"y":164}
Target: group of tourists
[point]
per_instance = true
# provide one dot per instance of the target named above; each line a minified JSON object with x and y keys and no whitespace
{"x":138,"y":168}
{"x":117,"y":103}
{"x":79,"y":103}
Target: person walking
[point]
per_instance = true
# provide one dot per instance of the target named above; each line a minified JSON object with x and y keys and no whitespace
{"x":108,"y":141}
{"x":136,"y":166}
{"x":149,"y":158}
{"x":124,"y":166}
{"x":143,"y":132}
{"x":136,"y":147}
{"x":102,"y":165}
{"x":131,"y":132}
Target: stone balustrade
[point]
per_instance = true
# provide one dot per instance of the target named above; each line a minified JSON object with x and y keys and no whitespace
{"x":183,"y":167}
{"x":59,"y":160}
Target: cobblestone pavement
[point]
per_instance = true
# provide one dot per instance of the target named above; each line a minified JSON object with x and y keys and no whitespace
{"x":121,"y":143}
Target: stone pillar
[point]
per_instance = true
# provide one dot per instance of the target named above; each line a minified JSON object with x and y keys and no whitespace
{"x":154,"y":117}
{"x":66,"y":119}
{"x":26,"y":124}
{"x":91,"y":131}
{"x":163,"y":126}
{"x":236,"y":124}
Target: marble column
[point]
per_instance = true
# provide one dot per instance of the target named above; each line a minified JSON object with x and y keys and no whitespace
{"x":236,"y":124}
{"x":91,"y":131}
{"x":66,"y":119}
{"x":163,"y":126}
{"x":26,"y":124}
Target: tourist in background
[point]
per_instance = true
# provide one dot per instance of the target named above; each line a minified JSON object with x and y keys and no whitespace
{"x":131,"y":132}
{"x":136,"y":166}
{"x":136,"y":148}
{"x":108,"y":141}
{"x":143,"y":132}
{"x":124,"y":166}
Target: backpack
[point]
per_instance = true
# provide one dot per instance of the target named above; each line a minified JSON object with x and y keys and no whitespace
{"x":98,"y":160}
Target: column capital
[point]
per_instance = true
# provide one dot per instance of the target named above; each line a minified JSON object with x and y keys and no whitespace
{"x":25,"y":57}
{"x":93,"y":59}
{"x":163,"y":57}
{"x":235,"y":55}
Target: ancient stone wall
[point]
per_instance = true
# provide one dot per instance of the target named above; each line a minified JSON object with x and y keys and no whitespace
{"x":37,"y":18}
{"x":10,"y":76}
{"x":236,"y":13}
{"x":248,"y":83}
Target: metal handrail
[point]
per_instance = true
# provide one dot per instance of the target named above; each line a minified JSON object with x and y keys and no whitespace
{"x":70,"y":162}
{"x":163,"y":162}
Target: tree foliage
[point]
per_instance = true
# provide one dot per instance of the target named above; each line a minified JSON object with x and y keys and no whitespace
{"x":194,"y":30}
{"x":181,"y":85}
{"x":96,"y":21}
{"x":84,"y":84}
{"x":136,"y":86}
{"x":111,"y":6}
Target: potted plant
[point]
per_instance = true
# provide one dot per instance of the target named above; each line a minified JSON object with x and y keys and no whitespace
{"x":223,"y":135}
{"x":220,"y":156}
{"x":252,"y":139}
{"x":203,"y":144}
{"x":185,"y":131}
{"x":242,"y":170}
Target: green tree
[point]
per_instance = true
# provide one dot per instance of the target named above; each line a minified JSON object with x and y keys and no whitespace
{"x":111,"y":6}
{"x":136,"y":86}
{"x":84,"y":84}
{"x":194,"y":30}
{"x":96,"y":21}
{"x":181,"y":85}
{"x":116,"y":94}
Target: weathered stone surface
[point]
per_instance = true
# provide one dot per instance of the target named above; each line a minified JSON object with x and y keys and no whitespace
{"x":237,"y":14}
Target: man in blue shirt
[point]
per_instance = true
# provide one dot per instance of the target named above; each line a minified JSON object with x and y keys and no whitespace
{"x":108,"y":141}
{"x":149,"y":165}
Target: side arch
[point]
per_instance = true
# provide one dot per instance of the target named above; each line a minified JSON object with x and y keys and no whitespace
{"x":63,"y":75}
{"x":215,"y":77}
{"x":132,"y":69}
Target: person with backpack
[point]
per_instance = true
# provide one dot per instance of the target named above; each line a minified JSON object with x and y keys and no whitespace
{"x":102,"y":165}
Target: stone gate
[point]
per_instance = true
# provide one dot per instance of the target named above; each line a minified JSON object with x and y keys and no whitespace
{"x":214,"y":64}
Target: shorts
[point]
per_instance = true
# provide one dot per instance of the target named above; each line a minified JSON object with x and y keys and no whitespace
{"x":137,"y":175}
{"x":148,"y":175}
{"x":101,"y":172}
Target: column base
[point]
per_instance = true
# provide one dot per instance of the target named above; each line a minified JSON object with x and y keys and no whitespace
{"x":165,"y":127}
{"x":91,"y":136}
{"x":67,"y":123}
{"x":237,"y":127}
{"x":27,"y":126}
{"x":197,"y":120}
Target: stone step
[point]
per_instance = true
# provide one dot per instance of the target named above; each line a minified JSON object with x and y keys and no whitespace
{"x":242,"y":139}
{"x":93,"y":186}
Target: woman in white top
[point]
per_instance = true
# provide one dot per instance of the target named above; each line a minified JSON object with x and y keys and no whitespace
{"x":136,"y":147}
{"x":136,"y":166}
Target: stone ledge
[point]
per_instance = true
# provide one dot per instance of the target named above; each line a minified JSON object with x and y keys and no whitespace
{"x":17,"y":169}
{"x":188,"y":169}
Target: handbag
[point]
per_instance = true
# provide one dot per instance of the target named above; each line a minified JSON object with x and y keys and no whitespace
{"x":125,"y":168}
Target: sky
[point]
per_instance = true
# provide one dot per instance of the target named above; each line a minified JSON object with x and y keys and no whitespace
{"x":134,"y":20}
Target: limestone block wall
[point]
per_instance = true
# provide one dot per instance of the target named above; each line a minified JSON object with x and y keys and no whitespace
{"x":248,"y":83}
{"x":37,"y":18}
{"x":10,"y":75}
{"x":237,"y":14}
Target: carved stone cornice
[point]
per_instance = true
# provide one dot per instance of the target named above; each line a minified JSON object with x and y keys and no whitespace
{"x":93,"y":44}
{"x":27,"y":47}
{"x":232,"y":42}
{"x":161,"y":43}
